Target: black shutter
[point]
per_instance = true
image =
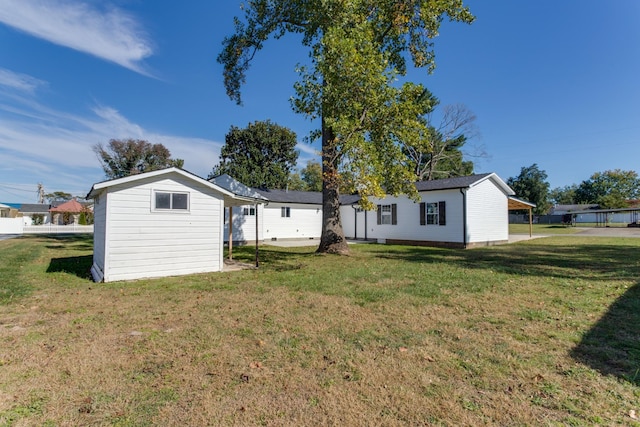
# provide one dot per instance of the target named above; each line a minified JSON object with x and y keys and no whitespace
{"x":379,"y":214}
{"x":423,"y":213}
{"x":394,"y":214}
{"x":442,"y":213}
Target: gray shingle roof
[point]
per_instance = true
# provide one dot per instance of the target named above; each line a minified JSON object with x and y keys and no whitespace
{"x":34,"y":208}
{"x":448,"y":183}
{"x":284,"y":196}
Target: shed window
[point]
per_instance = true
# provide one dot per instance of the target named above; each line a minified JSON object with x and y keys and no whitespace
{"x":285,"y":212}
{"x":388,"y":214}
{"x":171,"y":201}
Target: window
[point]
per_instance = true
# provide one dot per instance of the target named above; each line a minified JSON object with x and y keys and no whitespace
{"x":388,"y":214}
{"x":249,"y":211}
{"x":433,"y":213}
{"x":171,"y":201}
{"x":285,"y":212}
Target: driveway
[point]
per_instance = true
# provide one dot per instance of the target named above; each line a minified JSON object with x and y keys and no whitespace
{"x":611,"y":232}
{"x":8,"y":236}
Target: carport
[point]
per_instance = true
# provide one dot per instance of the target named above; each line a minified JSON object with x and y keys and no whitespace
{"x":516,"y":204}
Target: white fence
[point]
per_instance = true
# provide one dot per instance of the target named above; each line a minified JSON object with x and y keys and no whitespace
{"x":16,"y":226}
{"x":11,"y":225}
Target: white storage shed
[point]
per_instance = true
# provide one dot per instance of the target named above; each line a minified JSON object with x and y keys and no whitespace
{"x":167,"y":222}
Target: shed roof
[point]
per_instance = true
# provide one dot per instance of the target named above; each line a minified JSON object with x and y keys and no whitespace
{"x":233,"y":185}
{"x":230,"y":198}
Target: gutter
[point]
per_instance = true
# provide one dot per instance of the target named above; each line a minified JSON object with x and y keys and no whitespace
{"x":464,"y":218}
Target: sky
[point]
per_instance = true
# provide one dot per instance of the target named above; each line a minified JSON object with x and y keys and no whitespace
{"x":552,"y":83}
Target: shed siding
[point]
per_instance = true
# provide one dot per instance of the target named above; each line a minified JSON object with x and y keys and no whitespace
{"x":143,"y":243}
{"x":488,"y":213}
{"x":99,"y":236}
{"x":305,"y":221}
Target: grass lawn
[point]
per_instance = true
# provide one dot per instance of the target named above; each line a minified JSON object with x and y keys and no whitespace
{"x":543,"y":332}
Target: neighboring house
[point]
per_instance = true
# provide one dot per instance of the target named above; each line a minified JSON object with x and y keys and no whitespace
{"x":162,"y":223}
{"x":5,"y":210}
{"x":67,"y":212}
{"x":459,"y":212}
{"x":34,"y":212}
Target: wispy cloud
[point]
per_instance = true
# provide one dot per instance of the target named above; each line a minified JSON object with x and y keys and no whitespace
{"x":110,"y":34}
{"x":18,"y":81}
{"x":42,"y":144}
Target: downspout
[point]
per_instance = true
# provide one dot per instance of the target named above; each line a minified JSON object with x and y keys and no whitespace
{"x":464,"y":218}
{"x":355,"y":222}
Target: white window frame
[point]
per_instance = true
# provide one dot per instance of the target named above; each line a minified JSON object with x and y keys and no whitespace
{"x":385,"y":214}
{"x":285,"y":212}
{"x":154,"y":200}
{"x":249,"y":210}
{"x":432,"y":213}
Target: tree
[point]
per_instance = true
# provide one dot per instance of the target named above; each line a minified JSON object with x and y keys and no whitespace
{"x":358,"y":49}
{"x":563,"y":195}
{"x":312,"y":176}
{"x":261,"y":155}
{"x":133,"y":156}
{"x":610,"y":189}
{"x":58,"y":196}
{"x":438,"y":153}
{"x":532,"y":186}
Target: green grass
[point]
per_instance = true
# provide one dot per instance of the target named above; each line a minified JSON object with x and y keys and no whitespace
{"x":543,"y":332}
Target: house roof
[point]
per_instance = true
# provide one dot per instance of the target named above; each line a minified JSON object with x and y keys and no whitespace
{"x":39,"y":208}
{"x":463,"y":182}
{"x":72,"y":206}
{"x":285,"y":196}
{"x":233,"y":185}
{"x":230,"y":198}
{"x":4,"y":206}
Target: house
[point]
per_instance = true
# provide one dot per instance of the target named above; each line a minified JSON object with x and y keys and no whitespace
{"x":461,"y":212}
{"x":5,"y":210}
{"x":456,"y":212}
{"x":67,"y":212}
{"x":35,"y":213}
{"x":162,"y":223}
{"x":284,"y":215}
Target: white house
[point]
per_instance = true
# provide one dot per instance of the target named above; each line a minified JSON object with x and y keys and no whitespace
{"x":162,"y":223}
{"x":285,"y":215}
{"x":459,"y":212}
{"x":456,"y":212}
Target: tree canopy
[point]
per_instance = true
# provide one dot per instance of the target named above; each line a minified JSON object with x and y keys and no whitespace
{"x":531,"y":185}
{"x":261,"y":155}
{"x":357,"y":51}
{"x":133,"y":156}
{"x":610,"y":189}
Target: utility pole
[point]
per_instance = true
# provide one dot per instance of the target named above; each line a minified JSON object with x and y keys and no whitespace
{"x":40,"y":193}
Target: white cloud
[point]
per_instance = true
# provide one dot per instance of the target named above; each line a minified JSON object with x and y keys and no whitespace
{"x":111,"y":34}
{"x":39,"y":144}
{"x":19,"y":81}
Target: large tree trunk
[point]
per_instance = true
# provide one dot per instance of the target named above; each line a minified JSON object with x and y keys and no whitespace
{"x":332,"y":239}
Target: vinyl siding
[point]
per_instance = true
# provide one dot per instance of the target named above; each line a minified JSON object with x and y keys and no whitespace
{"x":244,"y":226}
{"x":488,"y":213}
{"x":142,"y":243}
{"x":305,"y":221}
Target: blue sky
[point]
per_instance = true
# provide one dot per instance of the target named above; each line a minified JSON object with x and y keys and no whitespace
{"x":551,"y":82}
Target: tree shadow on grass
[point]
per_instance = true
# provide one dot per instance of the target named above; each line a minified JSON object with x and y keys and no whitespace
{"x":77,"y":265}
{"x":588,"y":261}
{"x":612,"y":345}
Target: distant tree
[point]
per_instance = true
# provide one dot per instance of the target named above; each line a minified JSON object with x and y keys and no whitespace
{"x":133,"y":156}
{"x":57,"y":196}
{"x":261,"y":155}
{"x":610,"y":189}
{"x":438,"y":152}
{"x":563,"y":195}
{"x":312,"y":176}
{"x":295,"y":182}
{"x":531,"y":185}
